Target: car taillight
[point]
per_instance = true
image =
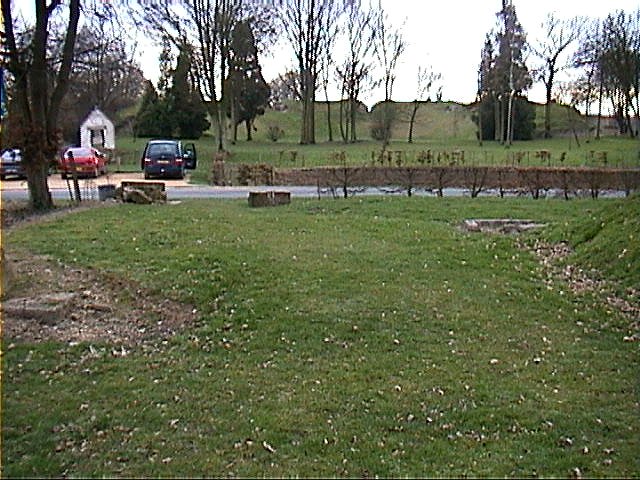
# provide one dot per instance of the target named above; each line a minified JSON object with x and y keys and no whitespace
{"x":178,"y":160}
{"x":147,"y":160}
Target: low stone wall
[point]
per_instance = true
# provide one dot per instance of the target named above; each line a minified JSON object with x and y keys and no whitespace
{"x":143,"y":192}
{"x":269,"y":199}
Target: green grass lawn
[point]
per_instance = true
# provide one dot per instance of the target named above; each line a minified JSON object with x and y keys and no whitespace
{"x":367,"y":337}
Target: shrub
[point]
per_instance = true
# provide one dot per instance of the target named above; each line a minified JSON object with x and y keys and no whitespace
{"x":274,"y":133}
{"x":383,"y":118}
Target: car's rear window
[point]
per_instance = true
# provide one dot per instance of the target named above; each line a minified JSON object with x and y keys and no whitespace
{"x":160,"y":149}
{"x":79,"y":152}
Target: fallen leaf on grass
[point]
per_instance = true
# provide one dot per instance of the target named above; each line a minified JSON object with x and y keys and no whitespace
{"x":268,"y":447}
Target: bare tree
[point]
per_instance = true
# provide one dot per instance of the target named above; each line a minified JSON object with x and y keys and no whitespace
{"x":355,"y":72}
{"x":610,"y":54}
{"x":569,"y":92}
{"x":558,"y":36}
{"x":620,"y":66}
{"x":587,"y":56}
{"x":327,"y":62}
{"x":426,"y":81}
{"x":104,"y":72}
{"x":38,"y":90}
{"x":306,"y":24}
{"x":389,"y":46}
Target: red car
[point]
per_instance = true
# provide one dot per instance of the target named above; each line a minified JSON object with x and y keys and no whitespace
{"x":89,"y":162}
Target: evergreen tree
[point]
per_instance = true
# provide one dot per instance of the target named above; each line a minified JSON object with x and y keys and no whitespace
{"x":178,"y":109}
{"x":186,"y":111}
{"x":503,"y":77}
{"x":147,"y":118}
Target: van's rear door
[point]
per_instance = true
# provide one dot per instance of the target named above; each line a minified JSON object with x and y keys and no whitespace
{"x":190,"y":156}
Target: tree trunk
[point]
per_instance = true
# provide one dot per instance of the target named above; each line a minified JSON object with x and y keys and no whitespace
{"x":234,"y":117}
{"x":510,"y":122}
{"x":547,"y":108}
{"x":343,"y":134}
{"x":328,"y":103}
{"x":329,"y":129}
{"x":600,"y":93}
{"x":352,"y":119}
{"x":39,"y":194}
{"x":248,"y":124}
{"x":416,"y":105}
{"x":307,"y":133}
{"x":497,"y":119}
{"x":480,"y":132}
{"x":39,"y":95}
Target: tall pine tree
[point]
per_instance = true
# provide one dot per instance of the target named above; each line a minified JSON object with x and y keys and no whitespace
{"x":146,"y":123}
{"x":185,"y":107}
{"x":503,"y":79}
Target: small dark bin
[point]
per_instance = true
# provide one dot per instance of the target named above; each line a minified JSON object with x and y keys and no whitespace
{"x":106,"y":191}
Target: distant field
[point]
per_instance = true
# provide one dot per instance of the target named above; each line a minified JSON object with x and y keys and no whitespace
{"x":440,"y":128}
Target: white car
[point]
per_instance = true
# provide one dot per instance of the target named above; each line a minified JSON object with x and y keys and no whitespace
{"x":11,"y":164}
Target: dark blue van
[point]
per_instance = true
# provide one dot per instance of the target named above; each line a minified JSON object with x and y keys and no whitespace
{"x":167,"y":159}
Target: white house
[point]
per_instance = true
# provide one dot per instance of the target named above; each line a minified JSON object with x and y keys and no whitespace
{"x":97,"y":131}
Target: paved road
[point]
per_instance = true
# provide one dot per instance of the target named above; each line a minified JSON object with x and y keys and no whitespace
{"x":181,"y":189}
{"x":176,"y":189}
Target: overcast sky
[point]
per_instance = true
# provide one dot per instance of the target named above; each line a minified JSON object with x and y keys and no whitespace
{"x":449,"y":35}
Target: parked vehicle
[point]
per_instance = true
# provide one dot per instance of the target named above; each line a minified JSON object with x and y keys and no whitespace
{"x":168,"y":158}
{"x":11,"y":164}
{"x":89,"y":162}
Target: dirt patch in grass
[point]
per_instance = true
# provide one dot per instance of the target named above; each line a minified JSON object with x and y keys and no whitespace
{"x":104,"y":308}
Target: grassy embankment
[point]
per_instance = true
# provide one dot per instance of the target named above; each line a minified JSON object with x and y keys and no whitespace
{"x":439,"y":127}
{"x":338,"y":338}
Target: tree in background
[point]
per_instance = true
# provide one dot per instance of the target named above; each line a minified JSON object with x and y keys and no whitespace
{"x":178,"y":111}
{"x":427,"y":80}
{"x":558,"y":36}
{"x":148,"y":116}
{"x":389,"y":46}
{"x":283,"y":88}
{"x":383,"y":118}
{"x":619,"y":64}
{"x":355,"y":72}
{"x":104,"y":73}
{"x":327,"y":62}
{"x":186,"y":111}
{"x":248,"y":92}
{"x":609,"y":54}
{"x":207,"y":26}
{"x":503,"y":75}
{"x":305,"y":24}
{"x":523,"y":113}
{"x":39,"y":90}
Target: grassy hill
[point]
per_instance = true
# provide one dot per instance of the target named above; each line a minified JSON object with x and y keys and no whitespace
{"x":439,"y":127}
{"x":442,"y":120}
{"x":606,"y":240}
{"x":434,"y":121}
